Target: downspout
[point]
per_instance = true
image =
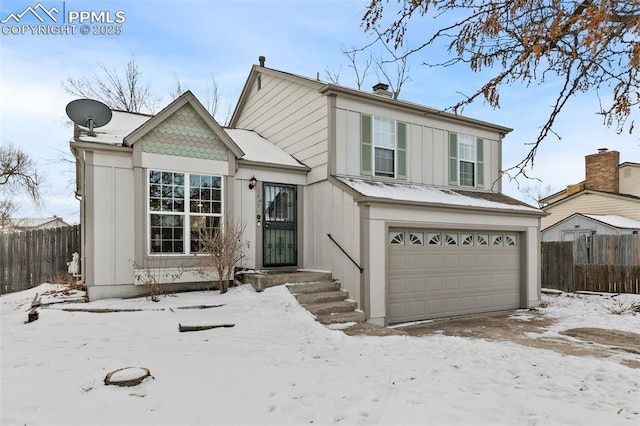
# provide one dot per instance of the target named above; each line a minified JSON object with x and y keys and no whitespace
{"x":79,"y":196}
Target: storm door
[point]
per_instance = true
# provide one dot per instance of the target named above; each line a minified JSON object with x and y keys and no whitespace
{"x":279,"y":239}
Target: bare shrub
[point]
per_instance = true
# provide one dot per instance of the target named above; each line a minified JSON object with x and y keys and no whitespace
{"x":225,"y":248}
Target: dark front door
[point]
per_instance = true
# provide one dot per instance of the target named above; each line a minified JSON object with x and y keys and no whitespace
{"x":280,"y":236}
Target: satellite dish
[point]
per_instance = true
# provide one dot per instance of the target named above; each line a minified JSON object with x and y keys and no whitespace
{"x":89,"y":113}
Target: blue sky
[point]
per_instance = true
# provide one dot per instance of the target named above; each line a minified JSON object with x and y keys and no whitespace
{"x":194,"y":40}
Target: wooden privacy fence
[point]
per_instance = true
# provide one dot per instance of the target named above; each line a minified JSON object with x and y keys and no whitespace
{"x":609,"y":263}
{"x":30,"y":258}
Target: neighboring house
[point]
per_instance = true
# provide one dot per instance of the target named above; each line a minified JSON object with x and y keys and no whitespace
{"x":411,"y":193}
{"x":609,"y":189}
{"x":30,"y":223}
{"x":569,"y":229}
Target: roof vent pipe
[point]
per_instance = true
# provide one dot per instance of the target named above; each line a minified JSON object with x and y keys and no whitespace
{"x":261,"y":59}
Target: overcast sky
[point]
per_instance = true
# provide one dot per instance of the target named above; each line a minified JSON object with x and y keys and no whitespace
{"x":195,"y":40}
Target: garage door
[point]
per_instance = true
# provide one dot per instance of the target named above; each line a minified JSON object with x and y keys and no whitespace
{"x":440,"y":273}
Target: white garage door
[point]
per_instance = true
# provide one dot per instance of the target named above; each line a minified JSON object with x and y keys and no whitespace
{"x":440,"y":273}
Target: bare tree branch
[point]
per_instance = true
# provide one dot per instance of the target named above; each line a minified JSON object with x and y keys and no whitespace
{"x":124,"y":92}
{"x":588,"y":45}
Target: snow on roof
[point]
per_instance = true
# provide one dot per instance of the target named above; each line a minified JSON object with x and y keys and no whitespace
{"x":435,"y":195}
{"x":113,"y":133}
{"x":259,"y":149}
{"x":616,"y":221}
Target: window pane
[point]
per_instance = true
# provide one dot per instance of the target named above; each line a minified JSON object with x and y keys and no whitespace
{"x":202,"y":225}
{"x":166,"y":233}
{"x":467,"y":175}
{"x":384,"y":162}
{"x":384,"y":132}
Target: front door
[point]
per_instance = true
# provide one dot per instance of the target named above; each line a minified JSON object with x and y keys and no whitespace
{"x":280,"y":236}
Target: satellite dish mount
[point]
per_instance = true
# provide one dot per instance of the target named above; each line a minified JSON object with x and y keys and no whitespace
{"x":89,"y":113}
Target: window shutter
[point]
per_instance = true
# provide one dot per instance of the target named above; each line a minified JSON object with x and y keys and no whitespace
{"x":453,"y":159}
{"x":480,"y":162}
{"x":366,"y":154}
{"x":401,"y":146}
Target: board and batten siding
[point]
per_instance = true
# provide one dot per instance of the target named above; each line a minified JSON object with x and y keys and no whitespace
{"x":591,"y":204}
{"x":108,"y":200}
{"x":427,"y":139}
{"x":293,"y":116}
{"x":330,"y":210}
{"x":630,"y":179}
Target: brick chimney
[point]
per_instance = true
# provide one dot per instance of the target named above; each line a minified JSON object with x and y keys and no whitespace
{"x":601,"y":171}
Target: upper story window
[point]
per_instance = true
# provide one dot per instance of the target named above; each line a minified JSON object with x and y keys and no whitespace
{"x":466,"y":160}
{"x":383,"y":149}
{"x":182,"y":206}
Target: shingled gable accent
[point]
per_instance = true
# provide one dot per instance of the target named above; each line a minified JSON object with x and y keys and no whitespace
{"x":186,"y":98}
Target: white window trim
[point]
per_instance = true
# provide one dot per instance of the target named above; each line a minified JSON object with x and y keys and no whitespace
{"x":472,"y":141}
{"x":374,"y":146}
{"x":186,"y":223}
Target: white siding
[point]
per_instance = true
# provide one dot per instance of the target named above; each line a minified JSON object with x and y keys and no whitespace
{"x":427,"y":143}
{"x":329,"y":210}
{"x":591,"y":204}
{"x":110,"y":237}
{"x":630,"y":179}
{"x":577,"y":226}
{"x":292,"y":116}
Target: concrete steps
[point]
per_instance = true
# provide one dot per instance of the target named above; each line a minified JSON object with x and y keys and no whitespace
{"x":317,"y":291}
{"x":327,"y":301}
{"x":262,"y":280}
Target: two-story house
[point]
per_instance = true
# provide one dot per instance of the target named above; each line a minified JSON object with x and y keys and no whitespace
{"x":606,"y":202}
{"x":400,"y":202}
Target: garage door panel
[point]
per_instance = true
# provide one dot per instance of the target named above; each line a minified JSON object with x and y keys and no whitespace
{"x":416,"y":285}
{"x":468,"y":303}
{"x":398,"y":310}
{"x":468,"y":282}
{"x":415,"y":262}
{"x":397,"y":287}
{"x":483,"y":281}
{"x":468,"y":260}
{"x":435,"y":307}
{"x":483,"y":260}
{"x":483,"y":302}
{"x":452,"y":261}
{"x":417,"y":308}
{"x":434,"y":283}
{"x":452,"y":305}
{"x":434,"y":261}
{"x":397,"y":262}
{"x":451,"y":283}
{"x":430,"y":279}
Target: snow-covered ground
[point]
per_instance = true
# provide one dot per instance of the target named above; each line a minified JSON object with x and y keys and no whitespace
{"x":278,"y":366}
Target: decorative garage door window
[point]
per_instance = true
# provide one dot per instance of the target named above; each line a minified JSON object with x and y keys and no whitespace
{"x":182,"y":206}
{"x":416,"y":238}
{"x":434,"y":238}
{"x":452,"y":239}
{"x":396,"y":238}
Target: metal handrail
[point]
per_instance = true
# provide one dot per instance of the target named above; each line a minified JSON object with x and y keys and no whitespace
{"x":346,"y":254}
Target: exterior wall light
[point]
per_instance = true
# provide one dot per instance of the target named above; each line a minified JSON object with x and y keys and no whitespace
{"x":253,"y":182}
